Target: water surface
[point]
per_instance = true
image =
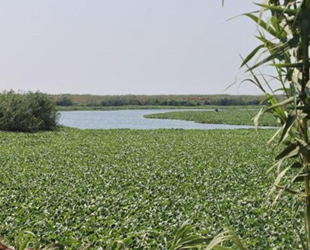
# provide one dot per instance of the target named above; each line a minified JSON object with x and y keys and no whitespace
{"x":132,"y":119}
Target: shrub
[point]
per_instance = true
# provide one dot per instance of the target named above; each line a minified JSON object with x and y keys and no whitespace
{"x":27,"y":112}
{"x":64,"y":101}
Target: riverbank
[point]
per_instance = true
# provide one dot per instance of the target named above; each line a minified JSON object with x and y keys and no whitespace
{"x":222,"y":116}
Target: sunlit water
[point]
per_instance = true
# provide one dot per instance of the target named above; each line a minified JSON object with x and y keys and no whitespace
{"x":132,"y":119}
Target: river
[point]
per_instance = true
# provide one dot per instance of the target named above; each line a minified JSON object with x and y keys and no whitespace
{"x":132,"y":119}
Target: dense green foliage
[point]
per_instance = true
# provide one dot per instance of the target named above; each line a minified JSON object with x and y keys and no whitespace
{"x":154,"y":100}
{"x":231,"y":116}
{"x":28,"y":112}
{"x":95,"y":186}
{"x":284,"y":43}
{"x":64,"y":101}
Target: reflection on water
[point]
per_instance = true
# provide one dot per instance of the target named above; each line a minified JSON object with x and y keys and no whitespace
{"x":132,"y":119}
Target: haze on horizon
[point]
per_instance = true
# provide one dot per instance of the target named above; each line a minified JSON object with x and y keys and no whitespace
{"x":112,"y":47}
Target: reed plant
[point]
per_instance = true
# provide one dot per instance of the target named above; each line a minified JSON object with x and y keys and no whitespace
{"x":284,"y":35}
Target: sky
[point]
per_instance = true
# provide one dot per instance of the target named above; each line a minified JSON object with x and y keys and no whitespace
{"x":113,"y":47}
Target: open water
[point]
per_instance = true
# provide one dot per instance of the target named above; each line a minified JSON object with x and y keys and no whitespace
{"x":132,"y":119}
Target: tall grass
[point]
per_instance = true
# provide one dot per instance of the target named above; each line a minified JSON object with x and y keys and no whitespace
{"x":284,"y":36}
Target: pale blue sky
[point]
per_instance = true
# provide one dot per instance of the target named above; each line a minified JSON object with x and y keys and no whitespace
{"x":124,"y":46}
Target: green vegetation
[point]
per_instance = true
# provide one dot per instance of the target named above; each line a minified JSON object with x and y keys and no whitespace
{"x":102,"y":102}
{"x":284,"y":37}
{"x":95,"y":187}
{"x":231,"y":116}
{"x":64,"y":101}
{"x":91,"y":187}
{"x":27,"y":112}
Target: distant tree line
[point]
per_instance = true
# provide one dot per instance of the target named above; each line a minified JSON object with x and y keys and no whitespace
{"x":155,"y":100}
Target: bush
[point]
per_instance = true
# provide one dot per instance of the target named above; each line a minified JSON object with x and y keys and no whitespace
{"x":64,"y":101}
{"x":29,"y":112}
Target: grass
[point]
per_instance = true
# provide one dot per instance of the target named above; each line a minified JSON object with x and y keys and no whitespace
{"x":225,"y":116}
{"x":91,"y":187}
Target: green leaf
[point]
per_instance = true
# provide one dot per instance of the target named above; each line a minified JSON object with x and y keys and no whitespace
{"x":256,"y":118}
{"x":296,"y":165}
{"x":288,"y":125}
{"x":291,"y":151}
{"x":293,"y":191}
{"x":278,"y":28}
{"x":278,"y":179}
{"x":274,"y":136}
{"x":279,"y":10}
{"x":301,"y":177}
{"x":287,"y":65}
{"x":283,"y":103}
{"x":251,"y":55}
{"x":227,"y":235}
{"x":262,"y":24}
{"x":24,"y":238}
{"x":275,"y":53}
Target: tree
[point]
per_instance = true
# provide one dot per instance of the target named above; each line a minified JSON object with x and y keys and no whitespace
{"x":64,"y":101}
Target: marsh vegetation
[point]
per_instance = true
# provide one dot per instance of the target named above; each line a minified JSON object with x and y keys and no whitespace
{"x":91,"y":187}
